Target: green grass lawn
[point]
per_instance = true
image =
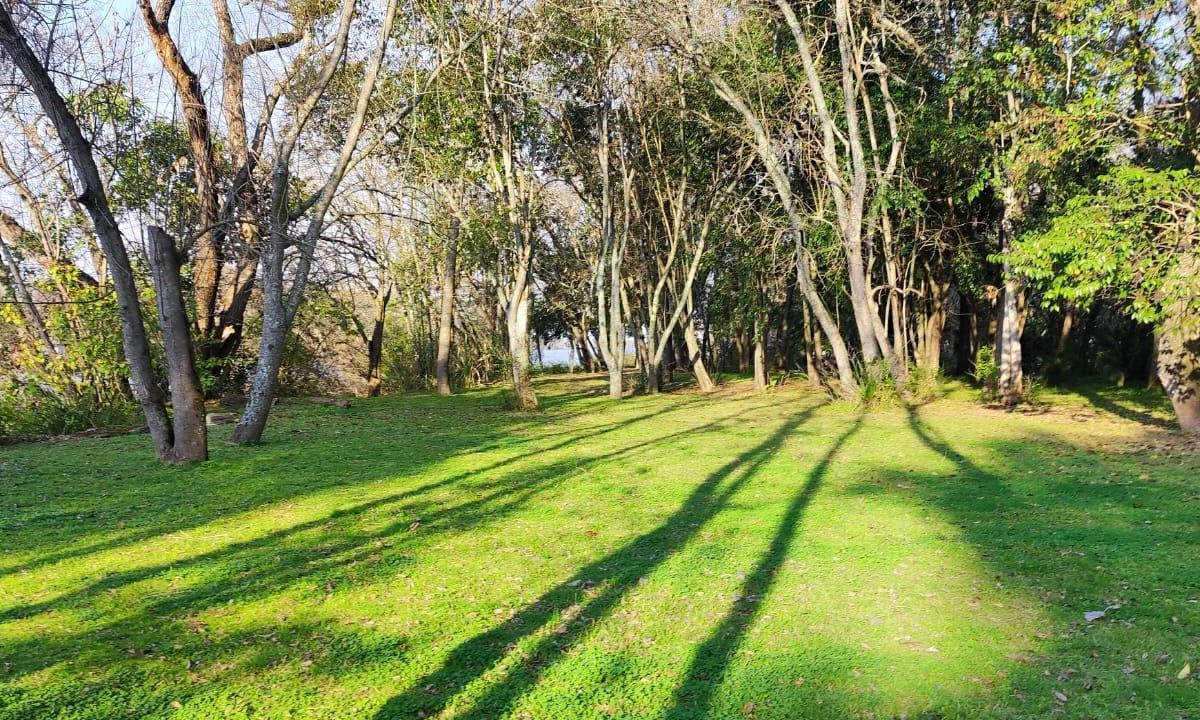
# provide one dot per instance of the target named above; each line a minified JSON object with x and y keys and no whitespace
{"x":678,"y":556}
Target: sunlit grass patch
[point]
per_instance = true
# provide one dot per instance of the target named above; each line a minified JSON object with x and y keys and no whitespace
{"x":759,"y":556}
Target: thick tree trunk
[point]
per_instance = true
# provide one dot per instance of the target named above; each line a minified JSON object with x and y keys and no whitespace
{"x":703,"y":379}
{"x":518,"y":348}
{"x":189,"y":430}
{"x":446,"y":321}
{"x":935,"y":325}
{"x":1179,"y":372}
{"x":1179,"y":345}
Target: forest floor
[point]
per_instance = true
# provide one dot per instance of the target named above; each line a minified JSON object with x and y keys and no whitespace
{"x":678,"y":556}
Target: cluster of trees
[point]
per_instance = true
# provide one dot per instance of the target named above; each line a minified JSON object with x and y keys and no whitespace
{"x":870,"y":192}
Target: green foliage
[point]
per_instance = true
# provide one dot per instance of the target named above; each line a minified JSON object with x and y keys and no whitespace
{"x":146,"y":157}
{"x":876,"y":386}
{"x":1122,"y":241}
{"x":987,"y":370}
{"x":81,"y":384}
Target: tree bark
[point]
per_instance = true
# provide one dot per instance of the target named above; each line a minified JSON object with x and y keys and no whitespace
{"x":375,"y":342}
{"x":189,"y":429}
{"x":206,"y":272}
{"x":1010,"y":384}
{"x":696,"y":357}
{"x":760,"y":355}
{"x":518,"y":348}
{"x":812,"y":351}
{"x":446,"y":320}
{"x":1179,"y":344}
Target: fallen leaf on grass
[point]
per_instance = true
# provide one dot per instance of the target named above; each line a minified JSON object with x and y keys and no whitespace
{"x":1184,"y":672}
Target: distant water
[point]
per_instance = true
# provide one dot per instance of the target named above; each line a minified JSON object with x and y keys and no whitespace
{"x":557,"y":353}
{"x":553,"y":356}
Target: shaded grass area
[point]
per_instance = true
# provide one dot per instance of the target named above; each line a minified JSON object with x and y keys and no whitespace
{"x":679,"y":556}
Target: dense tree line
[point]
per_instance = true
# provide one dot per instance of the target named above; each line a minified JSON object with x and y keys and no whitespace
{"x":870,"y":194}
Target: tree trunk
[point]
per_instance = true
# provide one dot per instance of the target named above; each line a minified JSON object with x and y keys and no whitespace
{"x":446,"y":321}
{"x":375,"y":343}
{"x":278,"y":312}
{"x":206,"y":268}
{"x":189,"y":430}
{"x":1179,"y":345}
{"x":264,"y":379}
{"x":1064,"y":331}
{"x":518,"y":348}
{"x":1010,"y":383}
{"x":1179,"y":372}
{"x":760,"y":355}
{"x":742,"y":346}
{"x":935,"y":325}
{"x":670,"y":359}
{"x":233,"y":314}
{"x":703,"y":380}
{"x":651,"y":366}
{"x":765,"y":149}
{"x":812,"y":351}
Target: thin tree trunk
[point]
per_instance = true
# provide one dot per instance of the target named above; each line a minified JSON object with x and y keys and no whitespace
{"x":1064,"y":331}
{"x":760,"y":355}
{"x":812,"y":351}
{"x":446,"y":321}
{"x":1008,"y":356}
{"x":375,"y":342}
{"x":782,"y":184}
{"x":278,"y":312}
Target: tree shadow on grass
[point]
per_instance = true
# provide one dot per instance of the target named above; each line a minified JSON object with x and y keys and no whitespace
{"x":498,"y":489}
{"x":712,"y":658}
{"x":274,"y":483}
{"x":562,"y":616}
{"x":1070,"y":528}
{"x":326,"y":554}
{"x":1101,"y":401}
